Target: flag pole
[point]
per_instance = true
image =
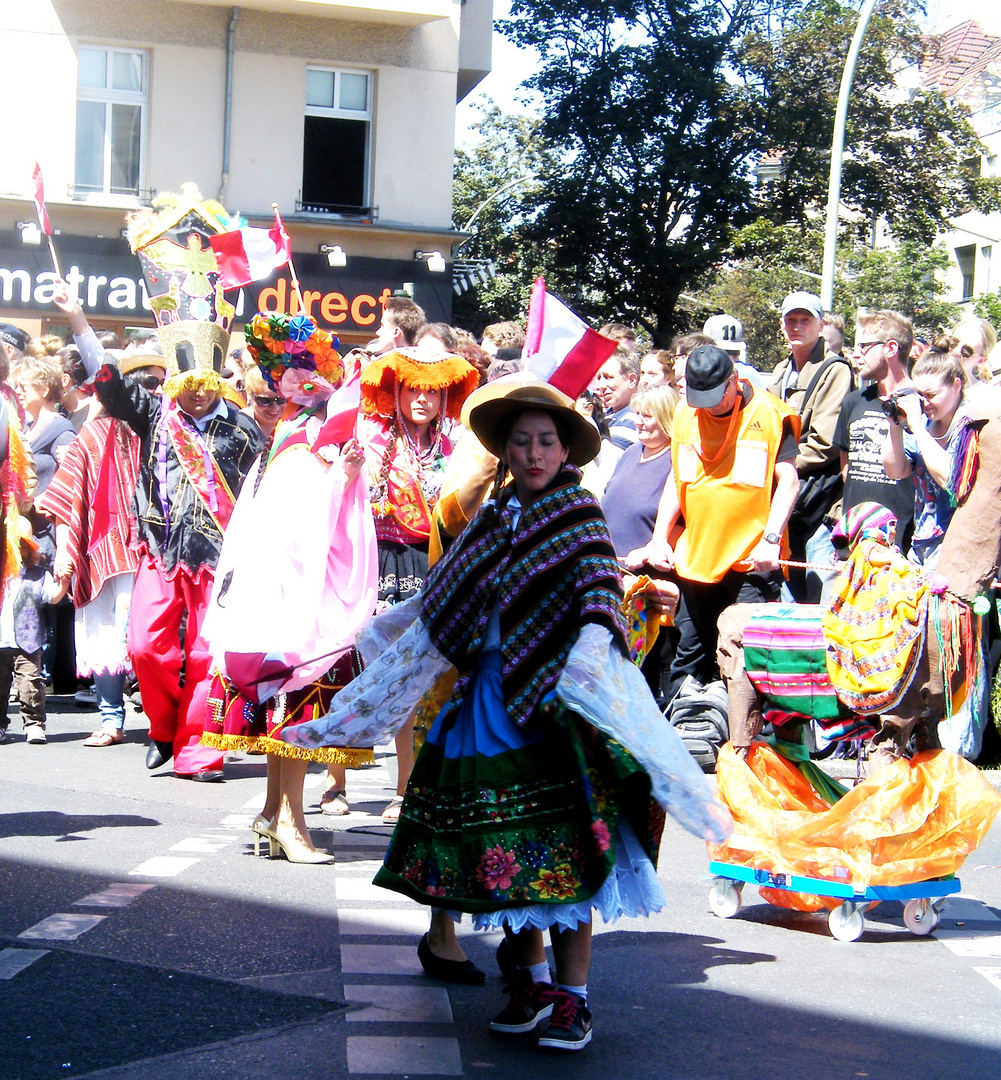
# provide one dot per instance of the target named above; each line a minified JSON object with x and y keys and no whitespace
{"x":291,"y":264}
{"x":52,"y":255}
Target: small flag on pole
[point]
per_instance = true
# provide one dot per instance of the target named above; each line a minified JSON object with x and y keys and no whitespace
{"x":342,"y":412}
{"x":39,"y":197}
{"x":246,"y":255}
{"x":559,"y":346}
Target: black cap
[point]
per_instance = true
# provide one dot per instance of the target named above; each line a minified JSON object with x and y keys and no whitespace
{"x":706,"y":372}
{"x":14,"y":335}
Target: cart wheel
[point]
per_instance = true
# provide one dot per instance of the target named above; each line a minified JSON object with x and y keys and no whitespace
{"x":724,"y":898}
{"x":920,"y":917}
{"x":846,"y":922}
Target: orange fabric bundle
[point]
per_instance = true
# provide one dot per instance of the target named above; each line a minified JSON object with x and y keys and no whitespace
{"x":916,"y":821}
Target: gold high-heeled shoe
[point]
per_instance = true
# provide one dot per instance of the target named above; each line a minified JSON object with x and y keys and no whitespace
{"x":261,"y":828}
{"x":295,"y":849}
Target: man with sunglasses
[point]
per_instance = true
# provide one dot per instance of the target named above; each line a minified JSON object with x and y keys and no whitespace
{"x":813,"y":382}
{"x":975,"y":339}
{"x":883,"y":341}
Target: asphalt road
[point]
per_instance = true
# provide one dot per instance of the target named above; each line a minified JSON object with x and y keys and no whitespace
{"x":140,"y":938}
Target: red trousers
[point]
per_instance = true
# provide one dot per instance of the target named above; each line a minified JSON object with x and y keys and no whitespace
{"x":176,"y":714}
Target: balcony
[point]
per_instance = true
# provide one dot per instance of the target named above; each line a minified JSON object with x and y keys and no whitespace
{"x":393,"y":12}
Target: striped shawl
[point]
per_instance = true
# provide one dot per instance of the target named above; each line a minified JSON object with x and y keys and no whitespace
{"x":554,"y":574}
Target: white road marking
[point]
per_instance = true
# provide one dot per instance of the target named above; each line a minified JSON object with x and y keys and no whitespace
{"x":389,"y":921}
{"x":403,"y":1056}
{"x":162,"y":866}
{"x":992,"y":975}
{"x":118,"y":894}
{"x":360,"y":888}
{"x":14,"y":961}
{"x":399,"y":1004}
{"x":238,"y":821}
{"x":201,"y":844}
{"x":63,"y":926}
{"x":380,"y":960}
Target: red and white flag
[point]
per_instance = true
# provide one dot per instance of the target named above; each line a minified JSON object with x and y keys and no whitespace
{"x":342,"y":412}
{"x":246,"y":255}
{"x":559,"y":346}
{"x":39,"y":197}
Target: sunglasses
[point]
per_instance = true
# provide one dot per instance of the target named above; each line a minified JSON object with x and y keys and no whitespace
{"x":862,"y":347}
{"x":266,"y":402}
{"x":149,"y":382}
{"x":965,"y":351}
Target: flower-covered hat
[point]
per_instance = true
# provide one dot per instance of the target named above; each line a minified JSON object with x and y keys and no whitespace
{"x":296,"y":357}
{"x":453,"y":375}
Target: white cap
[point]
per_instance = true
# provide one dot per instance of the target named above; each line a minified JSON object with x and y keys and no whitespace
{"x":726,"y":332}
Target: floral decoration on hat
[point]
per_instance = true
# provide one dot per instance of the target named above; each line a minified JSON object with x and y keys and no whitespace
{"x":280,"y":343}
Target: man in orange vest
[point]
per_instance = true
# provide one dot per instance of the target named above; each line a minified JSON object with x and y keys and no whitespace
{"x":732,"y":455}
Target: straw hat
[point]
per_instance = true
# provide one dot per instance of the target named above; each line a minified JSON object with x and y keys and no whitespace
{"x":380,"y":378}
{"x":130,"y":360}
{"x":491,"y":415}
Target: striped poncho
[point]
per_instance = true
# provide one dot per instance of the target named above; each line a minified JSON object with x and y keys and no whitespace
{"x":550,"y":574}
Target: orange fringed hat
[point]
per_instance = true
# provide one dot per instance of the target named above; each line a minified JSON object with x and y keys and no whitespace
{"x":404,"y":367}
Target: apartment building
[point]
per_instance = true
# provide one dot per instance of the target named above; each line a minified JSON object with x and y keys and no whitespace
{"x":341,"y":113}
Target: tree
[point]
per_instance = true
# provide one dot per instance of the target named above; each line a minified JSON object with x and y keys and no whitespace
{"x":911,"y":157}
{"x":769,"y":264}
{"x":494,"y":181}
{"x":650,"y":136}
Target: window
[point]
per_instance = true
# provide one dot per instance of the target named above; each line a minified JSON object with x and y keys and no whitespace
{"x":966,"y":257}
{"x":111,"y":99}
{"x":335,"y":145}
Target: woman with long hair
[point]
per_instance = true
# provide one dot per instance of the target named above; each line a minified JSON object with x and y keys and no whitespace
{"x":938,"y":447}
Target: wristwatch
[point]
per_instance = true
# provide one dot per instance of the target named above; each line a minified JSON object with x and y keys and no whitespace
{"x":772,"y":538}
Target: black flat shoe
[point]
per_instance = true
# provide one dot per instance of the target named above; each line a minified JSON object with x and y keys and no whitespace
{"x":206,"y":776}
{"x":159,"y":753}
{"x":453,"y":971}
{"x":505,"y":960}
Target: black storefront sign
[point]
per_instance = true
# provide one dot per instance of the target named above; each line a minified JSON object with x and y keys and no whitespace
{"x":110,"y":284}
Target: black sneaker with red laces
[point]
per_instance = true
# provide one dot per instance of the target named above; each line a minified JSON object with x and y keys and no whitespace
{"x":528,"y":1005}
{"x":569,"y":1026}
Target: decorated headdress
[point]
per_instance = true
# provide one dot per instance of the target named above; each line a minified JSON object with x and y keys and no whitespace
{"x":296,"y":358}
{"x":184,"y":286}
{"x":382,"y":378}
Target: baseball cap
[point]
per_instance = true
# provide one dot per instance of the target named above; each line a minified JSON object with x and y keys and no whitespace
{"x":706,"y":373}
{"x":14,"y":335}
{"x":727,"y":332}
{"x":803,"y":301}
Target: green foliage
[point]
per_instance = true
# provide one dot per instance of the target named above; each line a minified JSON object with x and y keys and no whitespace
{"x":988,"y":307}
{"x":907,"y":152}
{"x":494,"y":183}
{"x":650,"y":138}
{"x":769,"y":265}
{"x":654,"y":114}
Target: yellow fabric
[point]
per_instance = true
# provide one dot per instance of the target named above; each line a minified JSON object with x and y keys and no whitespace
{"x":874,"y":626}
{"x":195,"y":379}
{"x":470,"y":471}
{"x":915,"y":821}
{"x":724,"y":516}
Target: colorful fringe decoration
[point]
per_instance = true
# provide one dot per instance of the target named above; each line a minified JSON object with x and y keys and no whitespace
{"x":965,"y":462}
{"x":874,"y":626}
{"x":962,"y":637}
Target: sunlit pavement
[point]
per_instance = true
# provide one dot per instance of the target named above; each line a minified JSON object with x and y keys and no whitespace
{"x":140,"y":937}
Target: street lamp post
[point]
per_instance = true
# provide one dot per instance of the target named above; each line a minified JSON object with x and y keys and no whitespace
{"x":837,"y":149}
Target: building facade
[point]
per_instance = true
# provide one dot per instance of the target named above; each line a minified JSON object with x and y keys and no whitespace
{"x":340,"y":113}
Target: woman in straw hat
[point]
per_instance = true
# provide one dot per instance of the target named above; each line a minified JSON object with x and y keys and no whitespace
{"x":521,"y":810}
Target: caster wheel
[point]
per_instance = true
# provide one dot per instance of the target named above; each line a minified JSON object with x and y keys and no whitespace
{"x":724,"y":898}
{"x":846,"y":922}
{"x":920,"y":917}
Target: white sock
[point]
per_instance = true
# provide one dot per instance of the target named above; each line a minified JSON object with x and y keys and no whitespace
{"x":580,"y":991}
{"x":540,"y":972}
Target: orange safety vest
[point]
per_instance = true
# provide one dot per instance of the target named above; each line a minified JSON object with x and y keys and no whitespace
{"x":725,"y":491}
